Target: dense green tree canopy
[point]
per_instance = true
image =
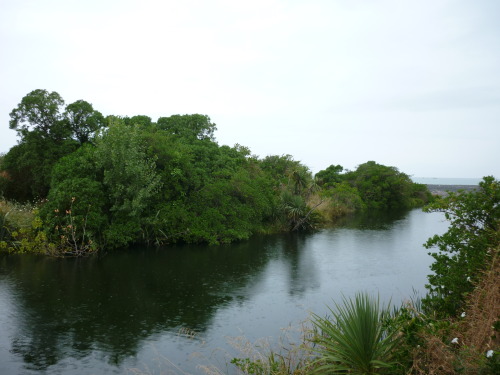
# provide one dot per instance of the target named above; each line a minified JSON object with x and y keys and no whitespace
{"x":39,"y":111}
{"x":331,"y":175}
{"x":116,"y":181}
{"x":46,"y":134}
{"x":83,"y":120}
{"x":188,"y":126}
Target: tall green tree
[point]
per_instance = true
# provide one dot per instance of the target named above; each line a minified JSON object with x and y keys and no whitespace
{"x":83,"y":120}
{"x":40,"y":112}
{"x":46,"y":134}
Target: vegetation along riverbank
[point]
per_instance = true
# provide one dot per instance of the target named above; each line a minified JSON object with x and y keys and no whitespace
{"x":454,"y":329}
{"x":86,"y":183}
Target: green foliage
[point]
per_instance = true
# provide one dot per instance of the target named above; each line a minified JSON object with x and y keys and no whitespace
{"x":129,"y":176}
{"x":139,"y":120}
{"x":466,"y":247}
{"x":21,"y":231}
{"x":354,"y":340}
{"x":39,"y":112}
{"x":46,"y":136}
{"x":28,"y":166}
{"x":383,"y":187}
{"x":294,"y":214}
{"x":280,"y":168}
{"x":330,"y":176}
{"x":139,"y":181}
{"x":294,"y":186}
{"x":271,"y":365}
{"x":76,"y":223}
{"x":419,"y":195}
{"x":83,"y":120}
{"x":111,"y":187}
{"x":188,"y":126}
{"x":344,"y":195}
{"x":371,"y":186}
{"x":147,"y":185}
{"x":211,"y":194}
{"x":13,"y":217}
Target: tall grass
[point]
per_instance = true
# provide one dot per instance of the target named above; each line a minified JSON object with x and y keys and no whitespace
{"x":354,"y":340}
{"x":14,"y":217}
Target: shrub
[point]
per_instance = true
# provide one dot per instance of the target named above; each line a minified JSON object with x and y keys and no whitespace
{"x":355,"y":339}
{"x":465,"y":249}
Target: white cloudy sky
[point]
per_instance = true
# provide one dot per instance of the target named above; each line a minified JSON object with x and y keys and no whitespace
{"x":411,"y":84}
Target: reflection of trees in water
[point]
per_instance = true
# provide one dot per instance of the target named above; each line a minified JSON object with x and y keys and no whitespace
{"x":73,"y":307}
{"x":372,"y":220}
{"x":302,"y":269}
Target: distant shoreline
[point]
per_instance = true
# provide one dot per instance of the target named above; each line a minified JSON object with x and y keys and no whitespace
{"x":446,"y":180}
{"x":442,"y":190}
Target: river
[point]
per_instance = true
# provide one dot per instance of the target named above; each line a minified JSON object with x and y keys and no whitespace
{"x":169,"y":310}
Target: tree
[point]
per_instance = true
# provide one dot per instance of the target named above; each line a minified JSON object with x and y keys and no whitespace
{"x":189,"y":126}
{"x":300,"y":179}
{"x":139,"y":120}
{"x":83,"y":120}
{"x":280,"y":167}
{"x":28,"y":165}
{"x":40,"y":112}
{"x":46,"y":136}
{"x":130,"y":181}
{"x":330,"y":176}
{"x":466,"y":247}
{"x":113,"y":184}
{"x":380,"y":186}
{"x":210,"y":193}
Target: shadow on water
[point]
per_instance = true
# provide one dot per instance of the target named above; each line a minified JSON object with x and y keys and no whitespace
{"x":372,"y":220}
{"x":68,"y":307}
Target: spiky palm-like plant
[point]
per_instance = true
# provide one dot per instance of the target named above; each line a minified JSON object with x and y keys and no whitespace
{"x":354,"y":340}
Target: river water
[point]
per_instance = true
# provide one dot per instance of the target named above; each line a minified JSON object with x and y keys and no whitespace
{"x":170,"y":310}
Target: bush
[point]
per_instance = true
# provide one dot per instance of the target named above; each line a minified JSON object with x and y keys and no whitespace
{"x":465,"y":249}
{"x":355,"y":340}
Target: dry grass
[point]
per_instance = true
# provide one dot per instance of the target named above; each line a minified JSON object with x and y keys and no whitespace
{"x":289,"y":355}
{"x":483,"y":310}
{"x":17,"y":215}
{"x":329,"y":210}
{"x":475,"y":332}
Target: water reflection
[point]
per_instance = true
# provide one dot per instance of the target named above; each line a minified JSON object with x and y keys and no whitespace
{"x":301,"y":265}
{"x":96,"y":311}
{"x":372,"y":220}
{"x":75,"y":306}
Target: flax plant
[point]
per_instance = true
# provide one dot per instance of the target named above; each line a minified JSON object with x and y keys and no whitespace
{"x":354,"y":340}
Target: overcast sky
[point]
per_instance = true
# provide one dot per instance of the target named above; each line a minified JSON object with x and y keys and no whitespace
{"x":410,"y":84}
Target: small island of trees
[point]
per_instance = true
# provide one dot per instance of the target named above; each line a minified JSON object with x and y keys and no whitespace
{"x":100,"y":182}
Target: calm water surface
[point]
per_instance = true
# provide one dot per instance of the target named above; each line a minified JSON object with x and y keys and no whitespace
{"x":136,"y":309}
